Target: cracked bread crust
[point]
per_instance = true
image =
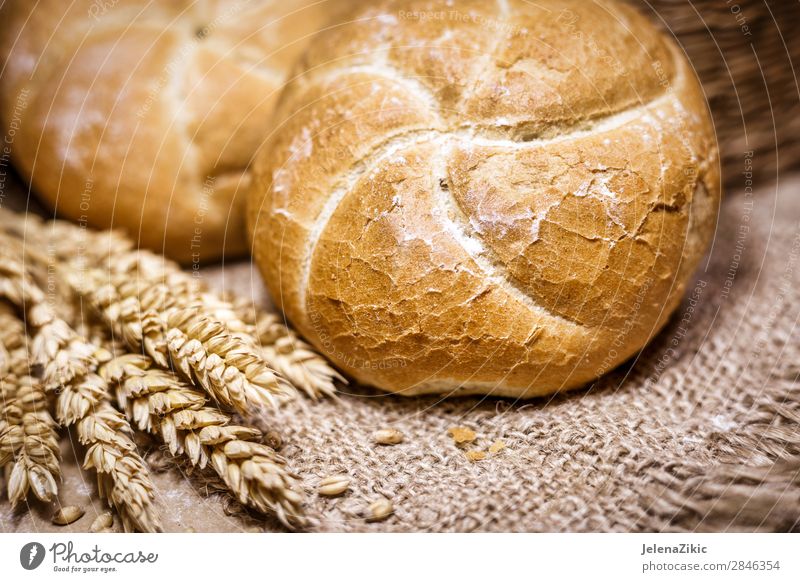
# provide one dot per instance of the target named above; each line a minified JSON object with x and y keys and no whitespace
{"x":507,"y":199}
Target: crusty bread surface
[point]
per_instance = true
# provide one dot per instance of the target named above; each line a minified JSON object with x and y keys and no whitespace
{"x":485,"y":197}
{"x":144,"y":115}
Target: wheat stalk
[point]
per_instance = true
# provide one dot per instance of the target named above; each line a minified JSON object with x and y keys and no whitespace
{"x":12,"y":342}
{"x":229,"y":369}
{"x":294,"y":358}
{"x":134,"y":290}
{"x":28,"y":438}
{"x":157,"y":309}
{"x":147,"y":314}
{"x":122,"y":475}
{"x":65,"y":241}
{"x":135,"y":286}
{"x":157,"y":402}
{"x":68,"y":363}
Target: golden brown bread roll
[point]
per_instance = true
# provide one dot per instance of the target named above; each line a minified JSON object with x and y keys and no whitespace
{"x":485,"y":197}
{"x":145,"y":115}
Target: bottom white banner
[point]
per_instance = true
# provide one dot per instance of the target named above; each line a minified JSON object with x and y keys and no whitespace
{"x":390,"y":557}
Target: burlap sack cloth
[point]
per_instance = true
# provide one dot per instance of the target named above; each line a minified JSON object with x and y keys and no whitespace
{"x":701,"y":432}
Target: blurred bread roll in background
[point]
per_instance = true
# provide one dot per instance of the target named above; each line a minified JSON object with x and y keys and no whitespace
{"x":485,"y":197}
{"x":144,"y":115}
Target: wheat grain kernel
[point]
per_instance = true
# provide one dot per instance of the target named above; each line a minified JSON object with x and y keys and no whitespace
{"x":67,"y":515}
{"x":334,"y":485}
{"x":380,"y":509}
{"x":388,"y":436}
{"x":103,"y":521}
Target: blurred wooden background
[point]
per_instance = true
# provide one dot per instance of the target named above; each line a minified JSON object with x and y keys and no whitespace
{"x":744,"y":52}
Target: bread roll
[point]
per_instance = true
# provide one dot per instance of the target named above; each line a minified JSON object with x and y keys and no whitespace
{"x":145,"y":115}
{"x":485,"y":197}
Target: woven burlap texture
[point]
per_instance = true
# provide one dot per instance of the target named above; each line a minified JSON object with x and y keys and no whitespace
{"x":699,"y":433}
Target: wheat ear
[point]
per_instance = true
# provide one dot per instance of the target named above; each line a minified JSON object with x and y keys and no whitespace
{"x":229,"y":369}
{"x":146,"y":314}
{"x":28,"y":438}
{"x":122,"y":475}
{"x":142,"y":285}
{"x":68,"y":364}
{"x":294,"y":358}
{"x":160,"y":403}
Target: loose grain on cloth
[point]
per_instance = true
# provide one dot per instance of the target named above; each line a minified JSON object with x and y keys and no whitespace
{"x":700,"y":433}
